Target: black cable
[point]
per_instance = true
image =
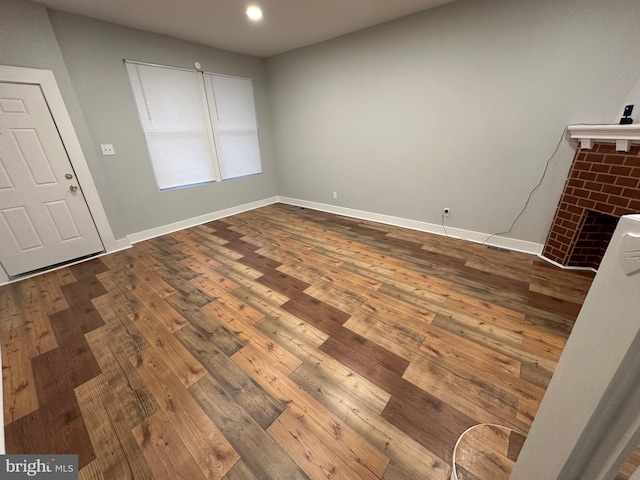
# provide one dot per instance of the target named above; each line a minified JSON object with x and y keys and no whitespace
{"x":535,"y":189}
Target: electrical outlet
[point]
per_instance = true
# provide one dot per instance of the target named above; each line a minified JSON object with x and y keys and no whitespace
{"x":335,"y":194}
{"x":107,"y":149}
{"x":446,"y":211}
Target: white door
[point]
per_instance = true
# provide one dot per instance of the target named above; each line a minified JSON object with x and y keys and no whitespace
{"x":44,"y":218}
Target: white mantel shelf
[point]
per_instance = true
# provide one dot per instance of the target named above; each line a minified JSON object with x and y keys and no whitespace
{"x":622,"y":135}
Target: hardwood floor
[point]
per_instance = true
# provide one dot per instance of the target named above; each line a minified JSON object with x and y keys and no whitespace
{"x":281,"y":343}
{"x":487,"y":452}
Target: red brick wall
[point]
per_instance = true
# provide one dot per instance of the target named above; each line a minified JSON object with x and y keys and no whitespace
{"x":601,"y":180}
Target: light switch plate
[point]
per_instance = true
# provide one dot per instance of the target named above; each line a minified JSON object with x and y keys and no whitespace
{"x":107,"y":149}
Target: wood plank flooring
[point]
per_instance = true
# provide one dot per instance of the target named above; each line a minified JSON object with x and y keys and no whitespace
{"x":488,"y":452}
{"x":281,"y":343}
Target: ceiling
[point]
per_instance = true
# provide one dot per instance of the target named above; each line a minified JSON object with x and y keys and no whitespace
{"x":287,"y":24}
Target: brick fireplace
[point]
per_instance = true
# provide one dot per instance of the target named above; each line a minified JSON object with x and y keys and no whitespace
{"x":603,"y":185}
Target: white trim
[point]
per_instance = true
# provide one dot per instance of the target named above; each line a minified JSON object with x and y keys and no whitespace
{"x":47,"y":82}
{"x":476,"y":237}
{"x":124,"y":244}
{"x":585,"y":269}
{"x":621,"y":135}
{"x":192,"y":222}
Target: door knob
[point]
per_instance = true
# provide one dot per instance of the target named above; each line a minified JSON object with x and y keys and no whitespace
{"x":68,"y":176}
{"x":73,"y":188}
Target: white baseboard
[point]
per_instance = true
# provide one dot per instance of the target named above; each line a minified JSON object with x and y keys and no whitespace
{"x":192,"y":222}
{"x":477,"y":237}
{"x":4,"y":280}
{"x":124,"y":243}
{"x":584,"y":269}
{"x":121,"y":244}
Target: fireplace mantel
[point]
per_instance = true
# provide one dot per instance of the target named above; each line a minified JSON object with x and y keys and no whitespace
{"x":622,"y":135}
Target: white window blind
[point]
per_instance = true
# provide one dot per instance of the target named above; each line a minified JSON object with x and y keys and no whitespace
{"x":199,"y":127}
{"x":174,"y":121}
{"x":237,"y":131}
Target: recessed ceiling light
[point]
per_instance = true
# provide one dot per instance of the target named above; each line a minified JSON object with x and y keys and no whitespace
{"x":254,"y":12}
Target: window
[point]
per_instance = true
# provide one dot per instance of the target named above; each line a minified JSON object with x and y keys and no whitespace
{"x":235,"y":126}
{"x":199,"y":127}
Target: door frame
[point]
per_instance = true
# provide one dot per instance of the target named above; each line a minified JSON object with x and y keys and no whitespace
{"x":47,"y":82}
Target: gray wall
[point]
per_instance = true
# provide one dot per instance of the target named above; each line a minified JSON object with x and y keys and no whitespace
{"x":459,"y":106}
{"x":93,"y":52}
{"x":27,"y":40}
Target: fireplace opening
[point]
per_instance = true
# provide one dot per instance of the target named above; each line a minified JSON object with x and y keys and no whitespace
{"x":593,"y":240}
